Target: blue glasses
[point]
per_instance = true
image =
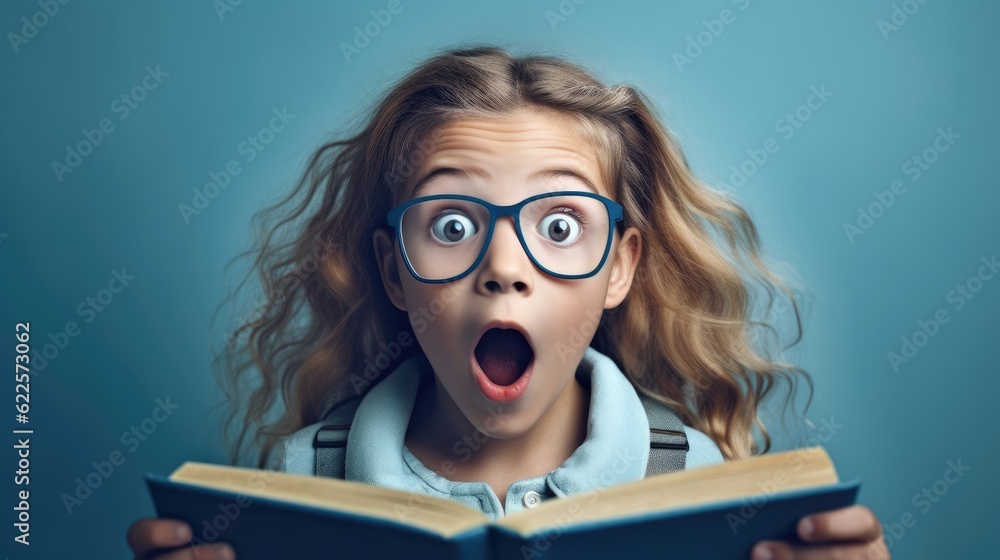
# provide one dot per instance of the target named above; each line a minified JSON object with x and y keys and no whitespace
{"x":567,"y":234}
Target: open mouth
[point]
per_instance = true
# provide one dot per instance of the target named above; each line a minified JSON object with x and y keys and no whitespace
{"x":503,"y":355}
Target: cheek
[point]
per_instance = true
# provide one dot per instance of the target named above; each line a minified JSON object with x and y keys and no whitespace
{"x":418,"y":294}
{"x":573,"y":319}
{"x":434,"y":314}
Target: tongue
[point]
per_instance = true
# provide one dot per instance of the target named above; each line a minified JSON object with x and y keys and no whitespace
{"x":503,"y":354}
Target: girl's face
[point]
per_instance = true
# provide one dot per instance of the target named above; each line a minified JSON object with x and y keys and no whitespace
{"x":503,"y":161}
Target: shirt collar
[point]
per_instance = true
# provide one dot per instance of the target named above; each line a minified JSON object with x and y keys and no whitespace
{"x":615,"y":451}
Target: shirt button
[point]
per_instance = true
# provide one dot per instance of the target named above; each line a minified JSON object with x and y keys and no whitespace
{"x":532,"y":499}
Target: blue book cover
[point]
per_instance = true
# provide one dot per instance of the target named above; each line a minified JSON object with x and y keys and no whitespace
{"x":726,"y":529}
{"x":675,"y":515}
{"x":266,"y":528}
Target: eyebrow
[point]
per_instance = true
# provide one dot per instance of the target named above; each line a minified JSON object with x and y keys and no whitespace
{"x":475,"y":172}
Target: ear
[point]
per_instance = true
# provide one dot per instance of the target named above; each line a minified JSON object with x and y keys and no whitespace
{"x":626,"y":259}
{"x":385,"y":257}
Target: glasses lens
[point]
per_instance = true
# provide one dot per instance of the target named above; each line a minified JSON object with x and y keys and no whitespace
{"x":443,"y":237}
{"x":566,"y":234}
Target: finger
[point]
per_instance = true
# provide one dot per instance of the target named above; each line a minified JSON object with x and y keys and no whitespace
{"x":782,"y":550}
{"x":214,"y":551}
{"x":150,"y":533}
{"x":853,"y":523}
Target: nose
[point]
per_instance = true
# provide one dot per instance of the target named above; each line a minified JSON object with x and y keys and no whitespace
{"x":505,"y":265}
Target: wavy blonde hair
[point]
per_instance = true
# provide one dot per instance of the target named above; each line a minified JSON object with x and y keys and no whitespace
{"x":684,"y":335}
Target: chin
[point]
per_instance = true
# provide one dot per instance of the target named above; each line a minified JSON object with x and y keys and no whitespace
{"x":504,"y":421}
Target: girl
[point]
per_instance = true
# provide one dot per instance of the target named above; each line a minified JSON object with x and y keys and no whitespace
{"x":543,"y":240}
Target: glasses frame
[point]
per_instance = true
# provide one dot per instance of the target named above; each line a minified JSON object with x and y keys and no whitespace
{"x":395,"y":217}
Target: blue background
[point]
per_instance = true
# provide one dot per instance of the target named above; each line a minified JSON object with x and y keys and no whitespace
{"x":891,"y":92}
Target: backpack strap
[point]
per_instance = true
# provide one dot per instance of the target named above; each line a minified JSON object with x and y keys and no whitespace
{"x":668,"y":444}
{"x":330,"y":442}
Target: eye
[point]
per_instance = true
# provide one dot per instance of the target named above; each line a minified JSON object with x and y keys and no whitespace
{"x":563,"y":226}
{"x":452,"y":227}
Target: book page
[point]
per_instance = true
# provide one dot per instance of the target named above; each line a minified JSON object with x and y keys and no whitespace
{"x":441,"y":516}
{"x":789,"y":470}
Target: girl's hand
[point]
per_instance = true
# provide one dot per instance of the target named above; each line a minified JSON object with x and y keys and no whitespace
{"x":152,"y":537}
{"x":848,"y":533}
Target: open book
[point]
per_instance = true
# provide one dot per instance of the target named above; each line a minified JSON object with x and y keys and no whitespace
{"x":718,"y":511}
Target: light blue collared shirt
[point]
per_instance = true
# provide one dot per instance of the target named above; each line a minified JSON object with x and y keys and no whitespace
{"x":615,"y":451}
